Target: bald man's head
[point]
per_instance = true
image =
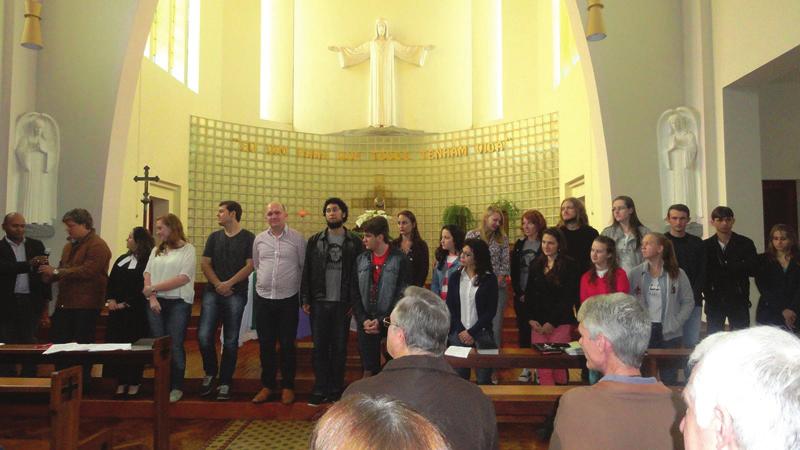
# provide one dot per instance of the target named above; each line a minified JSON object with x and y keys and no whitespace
{"x":276,"y":215}
{"x":14,"y":226}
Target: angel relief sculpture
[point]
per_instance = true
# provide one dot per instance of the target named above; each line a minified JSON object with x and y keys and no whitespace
{"x":37,"y":151}
{"x":678,"y":157}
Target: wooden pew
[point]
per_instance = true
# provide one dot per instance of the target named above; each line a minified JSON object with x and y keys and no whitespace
{"x":65,"y":390}
{"x":154,"y":352}
{"x":524,"y":402}
{"x":511,"y":358}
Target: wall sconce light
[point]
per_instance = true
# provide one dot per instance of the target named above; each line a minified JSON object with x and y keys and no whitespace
{"x":595,"y":30}
{"x":32,"y":28}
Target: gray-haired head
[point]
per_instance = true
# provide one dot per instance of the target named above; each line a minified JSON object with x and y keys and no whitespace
{"x":424,"y":319}
{"x":752,"y":375}
{"x":622,"y":320}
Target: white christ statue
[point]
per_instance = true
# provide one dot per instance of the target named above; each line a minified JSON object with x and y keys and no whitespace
{"x":381,"y":52}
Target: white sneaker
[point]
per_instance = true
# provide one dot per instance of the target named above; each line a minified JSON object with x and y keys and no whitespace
{"x":525,"y":376}
{"x":175,"y":395}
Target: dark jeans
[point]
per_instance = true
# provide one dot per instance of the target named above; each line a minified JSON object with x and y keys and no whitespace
{"x":369,"y":346}
{"x":523,"y":326}
{"x":74,"y":325}
{"x":172,"y":321}
{"x":229,"y":311}
{"x":330,"y":326}
{"x":19,"y":322}
{"x":276,"y":321}
{"x":738,"y":315}
{"x":484,"y":339}
{"x":668,"y":376}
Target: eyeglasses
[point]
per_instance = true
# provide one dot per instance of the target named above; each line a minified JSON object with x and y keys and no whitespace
{"x":387,"y":322}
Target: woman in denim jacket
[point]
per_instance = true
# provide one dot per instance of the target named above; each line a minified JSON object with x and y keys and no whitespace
{"x":447,"y":258}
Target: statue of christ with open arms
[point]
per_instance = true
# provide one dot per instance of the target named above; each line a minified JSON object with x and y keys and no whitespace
{"x":381,"y":52}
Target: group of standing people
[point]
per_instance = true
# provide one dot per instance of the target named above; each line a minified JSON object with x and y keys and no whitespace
{"x":337,"y":274}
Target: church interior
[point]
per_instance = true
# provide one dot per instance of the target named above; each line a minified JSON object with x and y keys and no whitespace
{"x":482,"y":102}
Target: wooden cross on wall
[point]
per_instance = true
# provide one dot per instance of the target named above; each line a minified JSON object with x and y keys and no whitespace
{"x":146,"y":195}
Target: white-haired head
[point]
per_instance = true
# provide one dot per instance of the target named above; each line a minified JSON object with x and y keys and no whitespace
{"x":749,"y":380}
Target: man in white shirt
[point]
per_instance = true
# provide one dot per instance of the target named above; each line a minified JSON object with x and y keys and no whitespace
{"x":278,"y":255}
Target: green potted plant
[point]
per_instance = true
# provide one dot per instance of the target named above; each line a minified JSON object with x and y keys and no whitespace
{"x":458,"y":215}
{"x":510,"y":212}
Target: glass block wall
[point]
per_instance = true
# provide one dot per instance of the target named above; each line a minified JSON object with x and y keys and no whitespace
{"x":425,"y":173}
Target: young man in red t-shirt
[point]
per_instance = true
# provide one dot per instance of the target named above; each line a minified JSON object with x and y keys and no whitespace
{"x":382,"y":274}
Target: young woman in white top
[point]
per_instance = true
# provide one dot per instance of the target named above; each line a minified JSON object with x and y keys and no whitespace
{"x":169,"y":288}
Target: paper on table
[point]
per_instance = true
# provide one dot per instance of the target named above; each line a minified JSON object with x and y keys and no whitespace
{"x":108,"y":347}
{"x":75,"y":347}
{"x":457,"y":351}
{"x":69,"y":347}
{"x":488,"y":351}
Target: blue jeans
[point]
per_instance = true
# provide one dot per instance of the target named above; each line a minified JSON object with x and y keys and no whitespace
{"x":172,"y":321}
{"x":484,"y":339}
{"x":691,"y":334}
{"x":669,"y":376}
{"x":691,"y":329}
{"x":229,"y":310}
{"x":497,"y":321}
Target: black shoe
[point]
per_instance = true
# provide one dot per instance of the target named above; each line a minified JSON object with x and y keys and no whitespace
{"x":207,"y":386}
{"x":316,"y":400}
{"x":334,"y":397}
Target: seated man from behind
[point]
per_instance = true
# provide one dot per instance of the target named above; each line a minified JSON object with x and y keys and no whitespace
{"x":420,"y":377}
{"x":744,"y":392}
{"x":623,"y":410}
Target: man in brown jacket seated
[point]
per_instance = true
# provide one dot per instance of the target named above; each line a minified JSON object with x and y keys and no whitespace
{"x":82,"y":276}
{"x":623,"y":410}
{"x":420,"y":377}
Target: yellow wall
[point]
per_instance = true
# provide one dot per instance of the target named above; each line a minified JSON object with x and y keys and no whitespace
{"x":159,"y":129}
{"x":277,"y":70}
{"x":436,"y":97}
{"x":527,"y":58}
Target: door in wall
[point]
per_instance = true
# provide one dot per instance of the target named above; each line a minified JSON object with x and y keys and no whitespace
{"x":780,"y":203}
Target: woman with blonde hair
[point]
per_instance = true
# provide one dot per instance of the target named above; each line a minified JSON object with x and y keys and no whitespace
{"x":169,"y":288}
{"x":491,"y":232}
{"x":664,"y":291}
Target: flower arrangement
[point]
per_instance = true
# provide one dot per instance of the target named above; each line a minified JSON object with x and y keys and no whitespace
{"x":369,"y":214}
